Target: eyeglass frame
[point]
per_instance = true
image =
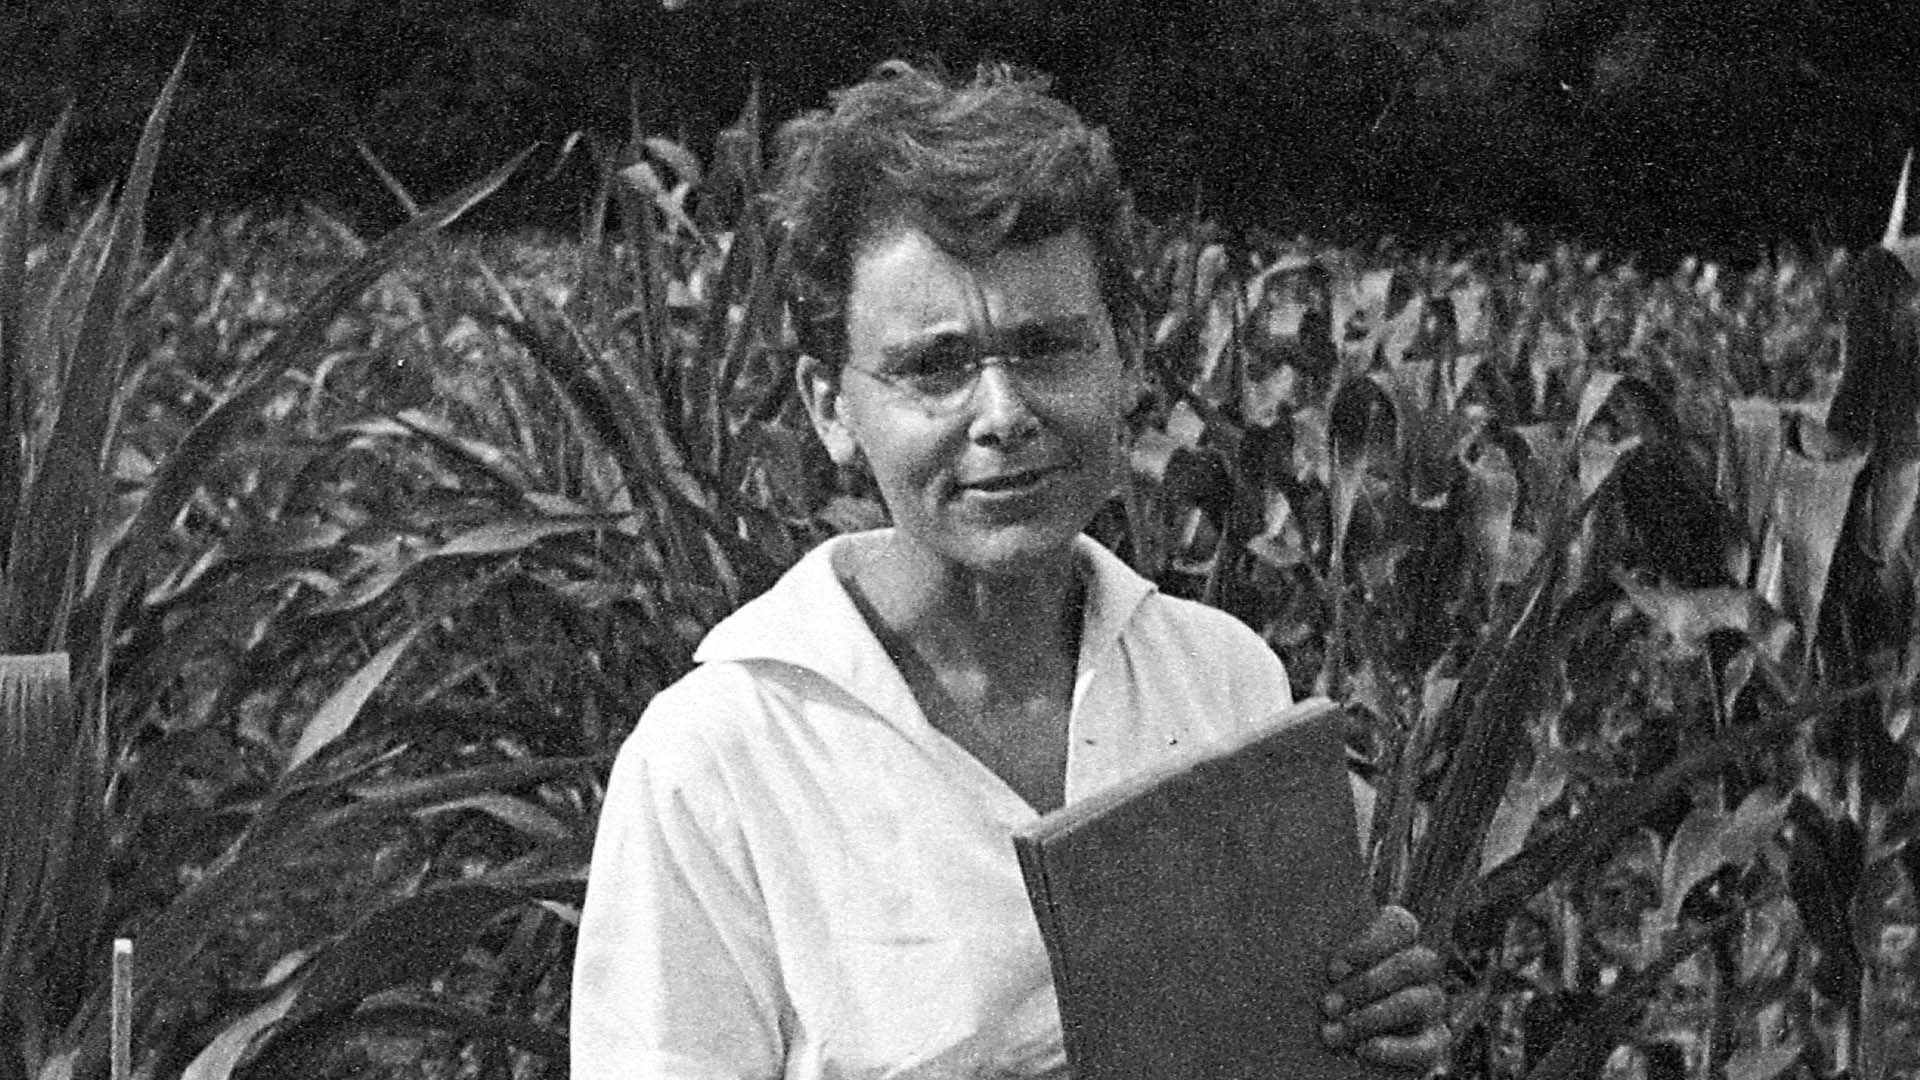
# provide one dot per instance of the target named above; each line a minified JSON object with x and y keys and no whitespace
{"x":1083,"y":346}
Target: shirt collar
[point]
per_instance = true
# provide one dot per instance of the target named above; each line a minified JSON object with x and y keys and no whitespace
{"x":807,"y":619}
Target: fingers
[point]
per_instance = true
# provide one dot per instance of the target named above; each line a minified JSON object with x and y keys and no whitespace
{"x":1414,"y":1009}
{"x":1407,"y":968}
{"x":1392,"y":930}
{"x":1414,"y":1053}
{"x":1386,"y":1003}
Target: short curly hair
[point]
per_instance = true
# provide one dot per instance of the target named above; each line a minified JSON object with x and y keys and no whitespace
{"x":978,"y":166}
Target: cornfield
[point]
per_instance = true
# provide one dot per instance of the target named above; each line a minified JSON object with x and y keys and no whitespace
{"x":336,"y":569}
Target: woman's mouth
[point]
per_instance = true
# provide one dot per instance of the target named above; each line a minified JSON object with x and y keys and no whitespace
{"x":1012,"y":483}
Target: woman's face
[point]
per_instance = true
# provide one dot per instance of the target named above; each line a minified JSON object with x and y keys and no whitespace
{"x":986,"y":395}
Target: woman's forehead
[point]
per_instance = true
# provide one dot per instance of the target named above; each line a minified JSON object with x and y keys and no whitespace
{"x":905,"y":274}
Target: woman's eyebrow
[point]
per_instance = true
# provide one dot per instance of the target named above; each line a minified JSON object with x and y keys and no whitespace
{"x":1001,"y":338}
{"x":1056,"y":329}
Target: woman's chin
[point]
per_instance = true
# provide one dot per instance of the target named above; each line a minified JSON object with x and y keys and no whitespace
{"x":1014,"y":550}
{"x":1019,"y":537}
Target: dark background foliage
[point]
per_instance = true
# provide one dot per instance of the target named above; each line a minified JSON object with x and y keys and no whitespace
{"x":1649,"y":126}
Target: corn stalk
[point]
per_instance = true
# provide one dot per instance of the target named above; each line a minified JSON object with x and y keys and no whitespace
{"x":1866,"y":632}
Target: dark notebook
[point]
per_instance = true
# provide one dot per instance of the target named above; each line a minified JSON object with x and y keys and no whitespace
{"x":1190,"y":913}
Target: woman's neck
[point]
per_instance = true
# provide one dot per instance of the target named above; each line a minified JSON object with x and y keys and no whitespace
{"x":953,"y":615}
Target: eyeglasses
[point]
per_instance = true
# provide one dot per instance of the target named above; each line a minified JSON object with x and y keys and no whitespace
{"x":941,"y":376}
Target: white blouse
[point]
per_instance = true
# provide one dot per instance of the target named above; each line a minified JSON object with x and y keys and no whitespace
{"x":796,"y":875}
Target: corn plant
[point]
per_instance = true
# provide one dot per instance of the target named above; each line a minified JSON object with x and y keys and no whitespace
{"x":1555,"y":533}
{"x":94,"y":509}
{"x":596,"y":466}
{"x":64,"y":316}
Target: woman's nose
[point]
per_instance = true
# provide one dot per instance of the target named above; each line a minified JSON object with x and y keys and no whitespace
{"x":1001,"y":412}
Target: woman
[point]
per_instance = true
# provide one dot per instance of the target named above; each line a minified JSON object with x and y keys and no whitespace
{"x":804,"y":865}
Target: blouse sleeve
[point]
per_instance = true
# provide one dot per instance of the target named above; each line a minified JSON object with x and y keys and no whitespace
{"x":675,"y":973}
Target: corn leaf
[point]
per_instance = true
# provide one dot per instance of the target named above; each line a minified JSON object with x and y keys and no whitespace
{"x":1810,"y":502}
{"x":1708,"y":840}
{"x":387,"y":180}
{"x":1904,"y":247}
{"x":1521,"y":807}
{"x":64,"y":501}
{"x":706,"y":419}
{"x":508,"y":537}
{"x":410,"y":941}
{"x":410,"y":795}
{"x":528,"y":818}
{"x":218,"y":1059}
{"x":503,"y":469}
{"x":338,"y":712}
{"x":1879,"y":387}
{"x":1823,"y":879}
{"x":1755,"y":1063}
{"x":18,"y":240}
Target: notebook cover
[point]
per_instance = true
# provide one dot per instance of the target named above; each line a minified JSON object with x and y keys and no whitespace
{"x":1189,"y":914}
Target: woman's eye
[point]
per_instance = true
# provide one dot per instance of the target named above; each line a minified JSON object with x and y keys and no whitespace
{"x":939,"y":369}
{"x":1057,"y":347}
{"x":1059,"y":358}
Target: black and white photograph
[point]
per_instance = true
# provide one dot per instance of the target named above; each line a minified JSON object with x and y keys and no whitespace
{"x":959,"y":540}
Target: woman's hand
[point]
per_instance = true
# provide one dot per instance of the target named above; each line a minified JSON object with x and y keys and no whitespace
{"x":1385,"y":1002}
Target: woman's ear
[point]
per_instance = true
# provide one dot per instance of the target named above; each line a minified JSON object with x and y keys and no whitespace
{"x":819,"y":386}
